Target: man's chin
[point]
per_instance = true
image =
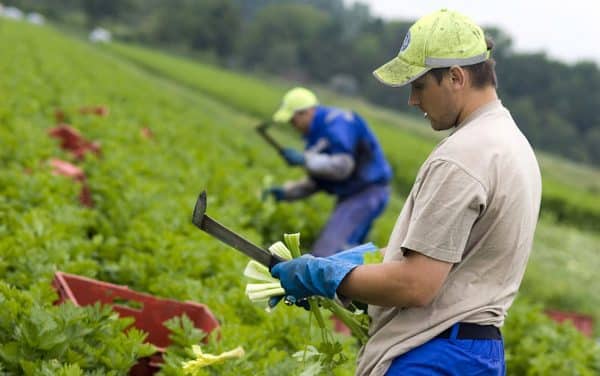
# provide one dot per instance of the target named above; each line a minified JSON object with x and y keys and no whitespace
{"x":437,"y":126}
{"x":434,"y":125}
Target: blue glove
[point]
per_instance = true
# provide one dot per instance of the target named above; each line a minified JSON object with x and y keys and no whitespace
{"x":289,"y":300}
{"x":354,"y":255}
{"x":293,"y":157}
{"x":309,"y":284}
{"x":277,"y":192}
{"x":308,"y":275}
{"x":274,"y":300}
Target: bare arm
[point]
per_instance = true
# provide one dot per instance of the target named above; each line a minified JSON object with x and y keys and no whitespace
{"x":412,"y":282}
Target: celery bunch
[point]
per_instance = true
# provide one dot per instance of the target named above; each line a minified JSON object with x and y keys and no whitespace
{"x":357,"y":321}
{"x":264,"y":286}
{"x":328,"y":354}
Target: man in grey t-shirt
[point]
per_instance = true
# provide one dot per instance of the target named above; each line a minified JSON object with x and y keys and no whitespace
{"x":458,"y":251}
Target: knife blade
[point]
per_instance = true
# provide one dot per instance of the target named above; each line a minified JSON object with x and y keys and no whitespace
{"x":212,"y":227}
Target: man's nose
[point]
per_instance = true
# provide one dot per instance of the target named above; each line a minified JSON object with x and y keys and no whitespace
{"x":412,"y":99}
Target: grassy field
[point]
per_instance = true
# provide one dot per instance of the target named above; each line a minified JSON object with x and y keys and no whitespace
{"x":563,"y":268}
{"x":139,"y":233}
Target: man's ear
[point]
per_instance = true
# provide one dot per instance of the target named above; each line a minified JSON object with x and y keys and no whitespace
{"x":457,"y":76}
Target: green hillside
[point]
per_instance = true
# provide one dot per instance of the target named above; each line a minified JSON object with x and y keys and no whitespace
{"x":566,"y":195}
{"x":172,"y":128}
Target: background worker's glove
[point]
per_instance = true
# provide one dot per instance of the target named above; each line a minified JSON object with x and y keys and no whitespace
{"x":293,"y":157}
{"x":278,"y":193}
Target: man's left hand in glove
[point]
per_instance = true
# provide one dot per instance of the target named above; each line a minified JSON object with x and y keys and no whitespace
{"x":308,"y":275}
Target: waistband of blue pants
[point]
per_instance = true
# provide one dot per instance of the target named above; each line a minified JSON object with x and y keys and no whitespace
{"x":465,"y":330}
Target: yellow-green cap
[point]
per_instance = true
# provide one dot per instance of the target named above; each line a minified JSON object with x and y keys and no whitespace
{"x":438,"y":40}
{"x":294,"y":100}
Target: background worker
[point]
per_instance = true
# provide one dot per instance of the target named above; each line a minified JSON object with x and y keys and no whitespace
{"x":457,"y":254}
{"x":342,"y":157}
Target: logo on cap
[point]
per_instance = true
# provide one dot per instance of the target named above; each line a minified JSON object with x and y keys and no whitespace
{"x":406,"y":42}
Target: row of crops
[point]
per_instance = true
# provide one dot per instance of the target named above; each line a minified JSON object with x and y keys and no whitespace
{"x":568,"y":201}
{"x":138,"y":231}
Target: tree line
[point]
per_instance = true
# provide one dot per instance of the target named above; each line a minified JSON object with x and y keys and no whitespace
{"x":339,"y":45}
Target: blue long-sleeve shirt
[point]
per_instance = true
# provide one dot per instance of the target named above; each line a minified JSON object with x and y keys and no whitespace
{"x":338,"y":133}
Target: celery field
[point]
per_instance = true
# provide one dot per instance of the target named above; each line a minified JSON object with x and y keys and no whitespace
{"x":173,"y":128}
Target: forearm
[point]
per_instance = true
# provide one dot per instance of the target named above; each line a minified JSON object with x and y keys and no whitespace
{"x":377,"y":284}
{"x":412,"y":282}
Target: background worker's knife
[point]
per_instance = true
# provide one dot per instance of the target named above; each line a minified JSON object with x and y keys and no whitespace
{"x":217,"y":230}
{"x":262,"y":130}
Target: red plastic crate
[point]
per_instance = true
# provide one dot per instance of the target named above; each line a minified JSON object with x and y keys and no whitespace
{"x":72,"y":141}
{"x":148,"y":311}
{"x":583,"y":323}
{"x":340,"y":327}
{"x":64,"y":168}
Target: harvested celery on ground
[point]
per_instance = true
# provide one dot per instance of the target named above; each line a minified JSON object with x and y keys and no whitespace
{"x":202,"y":359}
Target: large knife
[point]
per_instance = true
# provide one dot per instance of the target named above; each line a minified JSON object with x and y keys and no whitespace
{"x":262,"y":130}
{"x":217,"y":230}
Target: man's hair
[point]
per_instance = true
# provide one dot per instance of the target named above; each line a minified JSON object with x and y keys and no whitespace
{"x":482,"y":74}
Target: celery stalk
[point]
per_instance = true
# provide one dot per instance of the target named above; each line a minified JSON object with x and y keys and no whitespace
{"x":280,"y":250}
{"x":259,"y":272}
{"x":293,"y":243}
{"x":268,"y":293}
{"x":253,"y":287}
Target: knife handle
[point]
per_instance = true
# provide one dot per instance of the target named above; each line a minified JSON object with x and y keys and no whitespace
{"x":275,"y":260}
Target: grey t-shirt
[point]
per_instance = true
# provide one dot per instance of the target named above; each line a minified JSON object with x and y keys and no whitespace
{"x":475,"y":203}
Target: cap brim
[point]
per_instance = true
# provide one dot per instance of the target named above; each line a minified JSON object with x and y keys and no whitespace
{"x":397,"y":72}
{"x":283,"y":116}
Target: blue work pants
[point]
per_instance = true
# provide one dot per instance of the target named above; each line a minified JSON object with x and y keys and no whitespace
{"x":452,"y":357}
{"x":351,"y":221}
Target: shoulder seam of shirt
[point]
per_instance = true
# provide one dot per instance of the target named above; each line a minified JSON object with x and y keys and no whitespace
{"x":463,"y":168}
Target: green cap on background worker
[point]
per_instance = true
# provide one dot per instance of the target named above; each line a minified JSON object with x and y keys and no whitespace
{"x":297,"y":99}
{"x":439,"y":40}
